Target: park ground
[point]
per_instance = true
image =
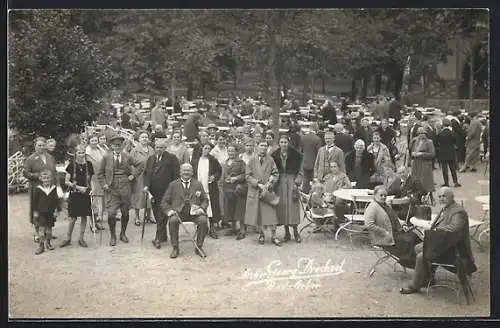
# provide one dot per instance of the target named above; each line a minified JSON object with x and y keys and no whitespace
{"x":138,"y":281}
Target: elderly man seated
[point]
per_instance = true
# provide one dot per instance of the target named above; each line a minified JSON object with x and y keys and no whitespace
{"x":386,"y":231}
{"x":186,"y":200}
{"x":453,"y":222}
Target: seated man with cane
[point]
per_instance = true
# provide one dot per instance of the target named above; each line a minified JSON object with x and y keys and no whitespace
{"x":186,"y":200}
{"x":452,"y":224}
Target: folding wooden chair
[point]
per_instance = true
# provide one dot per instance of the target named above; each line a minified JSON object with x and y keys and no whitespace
{"x":485,"y":220}
{"x":356,"y":220}
{"x":319,"y":222}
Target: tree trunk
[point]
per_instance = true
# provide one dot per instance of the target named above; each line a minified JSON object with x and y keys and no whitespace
{"x":354,"y":91}
{"x":457,"y":65}
{"x":323,"y":87}
{"x":471,"y":78}
{"x":364,"y":87}
{"x":189,"y":95}
{"x":398,"y":83}
{"x":378,"y":83}
{"x":312,"y":86}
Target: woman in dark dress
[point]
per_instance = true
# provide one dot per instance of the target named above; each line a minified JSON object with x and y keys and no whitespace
{"x":360,"y":165}
{"x":79,"y":173}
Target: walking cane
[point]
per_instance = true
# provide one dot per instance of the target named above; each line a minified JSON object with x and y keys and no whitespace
{"x":146,"y":194}
{"x":192,"y":236}
{"x":102,"y":219}
{"x":92,"y":218}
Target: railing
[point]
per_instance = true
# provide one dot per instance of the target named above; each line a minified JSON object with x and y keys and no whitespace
{"x":16,"y":180}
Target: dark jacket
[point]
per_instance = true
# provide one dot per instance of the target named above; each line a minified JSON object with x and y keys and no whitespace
{"x":159,"y":175}
{"x":293,"y":161}
{"x":344,"y":142}
{"x":310,"y":144}
{"x":367,"y":168}
{"x":329,"y":114}
{"x":412,"y":132}
{"x":395,"y":109}
{"x":364,"y":134}
{"x":446,"y":145}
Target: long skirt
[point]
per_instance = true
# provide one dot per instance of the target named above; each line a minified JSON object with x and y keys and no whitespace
{"x":137,"y":199}
{"x":421,"y":169}
{"x":472,"y":156}
{"x":288,"y":209}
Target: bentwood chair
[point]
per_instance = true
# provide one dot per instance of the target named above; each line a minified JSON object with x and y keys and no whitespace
{"x":319,"y":222}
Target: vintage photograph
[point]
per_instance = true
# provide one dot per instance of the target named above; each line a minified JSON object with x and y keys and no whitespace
{"x":248,"y":163}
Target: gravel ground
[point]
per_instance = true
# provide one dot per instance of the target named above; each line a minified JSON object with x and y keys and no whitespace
{"x":134,"y":280}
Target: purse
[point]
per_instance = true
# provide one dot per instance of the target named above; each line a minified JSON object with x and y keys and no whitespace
{"x":241,"y":189}
{"x":270,"y":198}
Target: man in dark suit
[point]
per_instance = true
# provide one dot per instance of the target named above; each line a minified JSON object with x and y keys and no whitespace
{"x":115,"y":176}
{"x":185,"y":199}
{"x":395,"y":112}
{"x":343,"y":140}
{"x":453,"y":225}
{"x":329,"y":113}
{"x":415,"y":123}
{"x":446,"y":150}
{"x":310,"y":144}
{"x":364,"y":131}
{"x":161,"y":169}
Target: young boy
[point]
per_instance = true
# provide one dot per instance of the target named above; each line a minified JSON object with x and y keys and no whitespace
{"x":45,"y":203}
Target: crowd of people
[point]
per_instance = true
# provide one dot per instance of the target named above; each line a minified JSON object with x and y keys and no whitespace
{"x":247,"y":179}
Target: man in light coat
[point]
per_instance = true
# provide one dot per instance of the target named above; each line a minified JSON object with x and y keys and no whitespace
{"x":326,"y":155}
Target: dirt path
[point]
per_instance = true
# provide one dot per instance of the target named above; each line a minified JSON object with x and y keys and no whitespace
{"x":134,"y":281}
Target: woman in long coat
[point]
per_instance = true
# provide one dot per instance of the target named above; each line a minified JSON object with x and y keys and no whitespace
{"x":288,"y":161}
{"x":94,"y":155}
{"x":140,"y":154}
{"x":37,"y":162}
{"x":208,"y":171}
{"x":261,"y":174}
{"x":422,"y":152}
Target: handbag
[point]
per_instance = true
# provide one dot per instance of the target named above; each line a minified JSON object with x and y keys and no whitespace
{"x":270,"y":198}
{"x":241,"y":189}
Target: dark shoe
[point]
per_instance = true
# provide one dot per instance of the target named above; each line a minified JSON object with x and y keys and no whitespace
{"x":457,"y":185}
{"x":65,"y":243}
{"x":99,"y":226}
{"x":175,"y":253}
{"x":157,"y":244}
{"x":276,"y":241}
{"x":112,"y":241}
{"x":261,"y":239}
{"x":445,"y":185}
{"x":462,"y":170}
{"x":473,"y":170}
{"x":40,"y":249}
{"x":49,"y":246}
{"x":53,"y":237}
{"x":288,"y":237}
{"x":408,"y":290}
{"x":200,"y":254}
{"x":82,"y":243}
{"x":298,"y":239}
{"x":240,"y":236}
{"x":123,"y":237}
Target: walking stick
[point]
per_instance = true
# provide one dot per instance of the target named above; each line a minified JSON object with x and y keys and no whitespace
{"x":146,"y":194}
{"x":202,"y":252}
{"x":92,"y":218}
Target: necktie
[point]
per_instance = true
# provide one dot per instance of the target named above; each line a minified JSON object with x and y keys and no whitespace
{"x":117,"y":159}
{"x":158,"y":158}
{"x":185,"y":184}
{"x":261,"y":160}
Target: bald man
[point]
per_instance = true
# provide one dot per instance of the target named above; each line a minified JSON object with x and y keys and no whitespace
{"x":186,"y":200}
{"x":453,"y":220}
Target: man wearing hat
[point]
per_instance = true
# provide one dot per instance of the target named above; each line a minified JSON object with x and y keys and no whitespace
{"x":212,"y":130}
{"x":115,"y":176}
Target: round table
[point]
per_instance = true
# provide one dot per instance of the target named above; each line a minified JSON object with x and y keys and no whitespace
{"x":484,"y":199}
{"x":361,"y":195}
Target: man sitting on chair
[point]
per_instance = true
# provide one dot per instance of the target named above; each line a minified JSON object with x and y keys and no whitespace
{"x":453,"y":220}
{"x":186,"y":200}
{"x":386,"y":231}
